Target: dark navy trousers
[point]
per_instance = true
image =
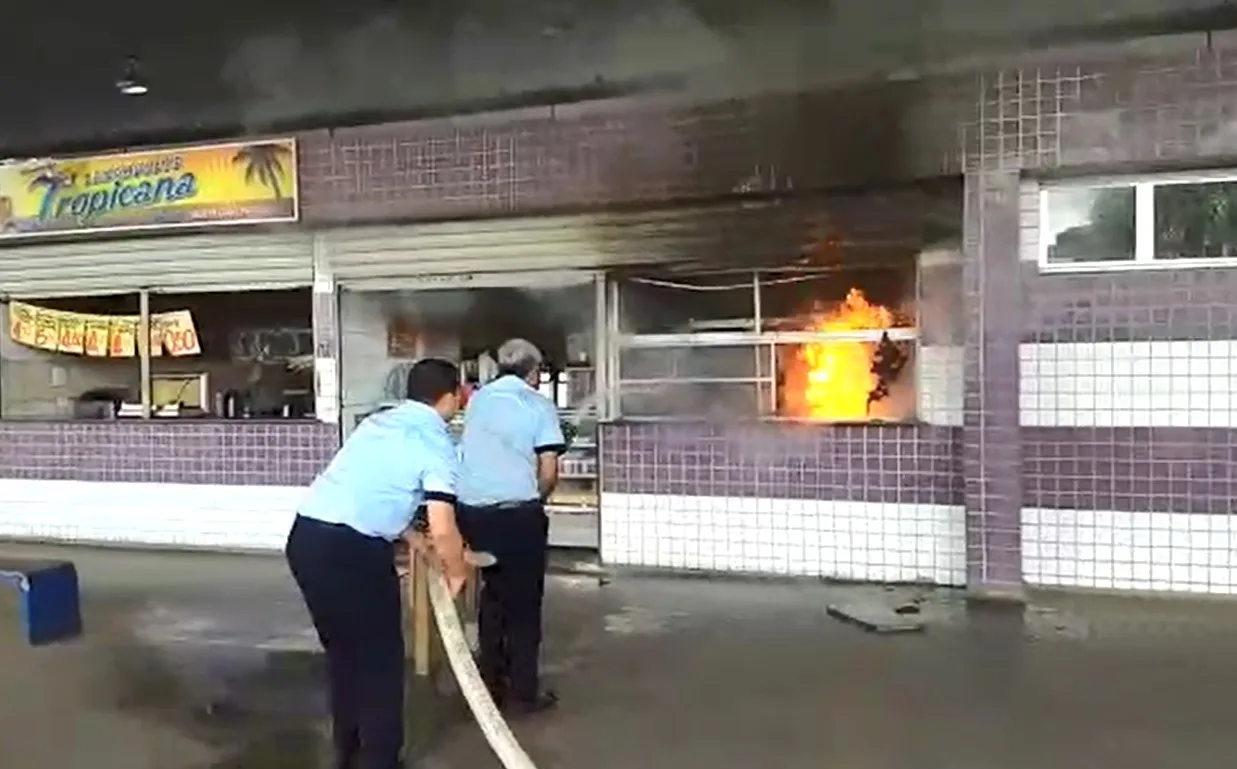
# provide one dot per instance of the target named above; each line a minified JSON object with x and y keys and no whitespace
{"x":511,"y":592}
{"x":352,"y":592}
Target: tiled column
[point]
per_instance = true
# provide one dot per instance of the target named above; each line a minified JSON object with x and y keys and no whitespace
{"x":991,"y":440}
{"x":326,"y":338}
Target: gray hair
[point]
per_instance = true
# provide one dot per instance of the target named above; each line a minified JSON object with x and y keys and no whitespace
{"x":518,"y":356}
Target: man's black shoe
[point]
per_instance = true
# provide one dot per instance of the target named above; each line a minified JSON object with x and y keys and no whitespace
{"x":544,"y":701}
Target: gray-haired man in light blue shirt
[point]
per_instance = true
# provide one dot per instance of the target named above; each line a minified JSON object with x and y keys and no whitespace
{"x":509,"y":456}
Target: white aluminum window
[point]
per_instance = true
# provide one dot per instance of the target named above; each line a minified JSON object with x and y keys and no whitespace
{"x":1165,"y":221}
{"x":796,"y":343}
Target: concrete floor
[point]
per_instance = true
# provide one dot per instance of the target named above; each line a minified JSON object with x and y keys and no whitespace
{"x":206,"y":662}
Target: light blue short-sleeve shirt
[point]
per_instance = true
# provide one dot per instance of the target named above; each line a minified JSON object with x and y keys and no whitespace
{"x":392,"y":463}
{"x":506,"y":425}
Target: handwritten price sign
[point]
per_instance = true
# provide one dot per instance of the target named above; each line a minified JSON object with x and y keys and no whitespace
{"x":94,"y":343}
{"x":178,"y":334}
{"x":122,"y":337}
{"x":101,"y":336}
{"x":72,"y":333}
{"x":21,"y":323}
{"x":47,"y":330}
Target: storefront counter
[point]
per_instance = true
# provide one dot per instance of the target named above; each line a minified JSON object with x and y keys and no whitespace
{"x":874,"y":502}
{"x":188,"y":483}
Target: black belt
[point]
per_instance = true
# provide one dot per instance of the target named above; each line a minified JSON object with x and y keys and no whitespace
{"x":506,"y":505}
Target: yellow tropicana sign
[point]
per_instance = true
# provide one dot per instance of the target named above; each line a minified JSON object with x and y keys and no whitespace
{"x":238,"y":183}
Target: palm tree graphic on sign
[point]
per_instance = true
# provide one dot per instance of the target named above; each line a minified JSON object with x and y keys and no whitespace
{"x":264,"y":163}
{"x":48,"y":176}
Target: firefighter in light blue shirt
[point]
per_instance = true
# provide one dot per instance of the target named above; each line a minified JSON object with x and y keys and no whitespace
{"x":394,"y":462}
{"x":509,"y":456}
{"x":341,"y":551}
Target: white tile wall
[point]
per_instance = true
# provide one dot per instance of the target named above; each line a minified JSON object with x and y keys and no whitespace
{"x":1109,"y":550}
{"x":364,"y":364}
{"x":162,"y":514}
{"x":1130,"y":384}
{"x":1028,"y":217}
{"x":833,"y":539}
{"x":171,"y":515}
{"x":940,"y":384}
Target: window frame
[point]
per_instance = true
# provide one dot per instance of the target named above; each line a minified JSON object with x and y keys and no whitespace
{"x":761,"y":342}
{"x":144,"y":360}
{"x":1144,"y":186}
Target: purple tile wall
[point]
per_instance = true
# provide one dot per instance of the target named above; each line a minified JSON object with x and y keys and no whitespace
{"x":913,"y":464}
{"x":216,"y":452}
{"x":1104,"y":105}
{"x":1139,"y":469}
{"x":632,"y":151}
{"x":1158,"y":109}
{"x":991,"y":440}
{"x":1131,"y":306}
{"x":1162,"y":469}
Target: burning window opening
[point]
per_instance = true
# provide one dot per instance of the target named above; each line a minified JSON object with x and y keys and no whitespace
{"x":786,"y":354}
{"x":842,"y":381}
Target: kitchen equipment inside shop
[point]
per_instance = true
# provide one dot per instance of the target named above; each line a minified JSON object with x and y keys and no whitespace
{"x":385,"y":332}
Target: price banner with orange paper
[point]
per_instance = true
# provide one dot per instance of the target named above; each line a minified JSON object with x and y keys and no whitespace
{"x":100,"y":336}
{"x":122,"y":336}
{"x":95,"y":336}
{"x":47,"y":330}
{"x":177,"y":333}
{"x":21,"y":323}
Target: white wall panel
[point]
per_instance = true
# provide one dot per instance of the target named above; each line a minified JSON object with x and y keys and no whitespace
{"x":839,"y":539}
{"x":940,"y":384}
{"x":1130,"y":384}
{"x":1115,"y":550}
{"x":155,"y":514}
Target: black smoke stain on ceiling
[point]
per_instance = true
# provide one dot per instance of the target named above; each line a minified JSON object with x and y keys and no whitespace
{"x":236,"y":66}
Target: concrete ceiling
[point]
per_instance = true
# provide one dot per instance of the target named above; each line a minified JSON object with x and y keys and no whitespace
{"x":244,"y":65}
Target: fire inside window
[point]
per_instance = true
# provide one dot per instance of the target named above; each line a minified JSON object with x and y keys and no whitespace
{"x":824,"y":344}
{"x":847,"y":380}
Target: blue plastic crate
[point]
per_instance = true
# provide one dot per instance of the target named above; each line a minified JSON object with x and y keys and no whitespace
{"x":51,"y":607}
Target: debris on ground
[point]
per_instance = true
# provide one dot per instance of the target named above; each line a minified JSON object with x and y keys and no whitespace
{"x":877,"y":616}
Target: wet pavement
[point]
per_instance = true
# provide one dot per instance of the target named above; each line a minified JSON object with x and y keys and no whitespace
{"x":198,"y":661}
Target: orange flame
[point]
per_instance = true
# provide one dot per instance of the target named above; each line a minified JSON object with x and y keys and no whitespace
{"x":831,"y":380}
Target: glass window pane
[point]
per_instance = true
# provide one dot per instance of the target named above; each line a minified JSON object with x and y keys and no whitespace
{"x":721,"y":400}
{"x":686,"y":304}
{"x":798,"y":301}
{"x":383,"y":332}
{"x":69,"y":358}
{"x":253,"y":357}
{"x":1089,"y":224}
{"x":1196,"y":221}
{"x":693,"y":363}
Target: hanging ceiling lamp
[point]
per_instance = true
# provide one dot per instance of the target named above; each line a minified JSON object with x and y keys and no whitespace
{"x":131,"y":82}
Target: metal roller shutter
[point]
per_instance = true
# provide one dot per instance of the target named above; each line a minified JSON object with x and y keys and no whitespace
{"x":208,"y":262}
{"x":370,"y":258}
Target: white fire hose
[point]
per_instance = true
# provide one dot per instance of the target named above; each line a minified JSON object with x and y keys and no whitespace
{"x":497,"y":732}
{"x":459,"y":655}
